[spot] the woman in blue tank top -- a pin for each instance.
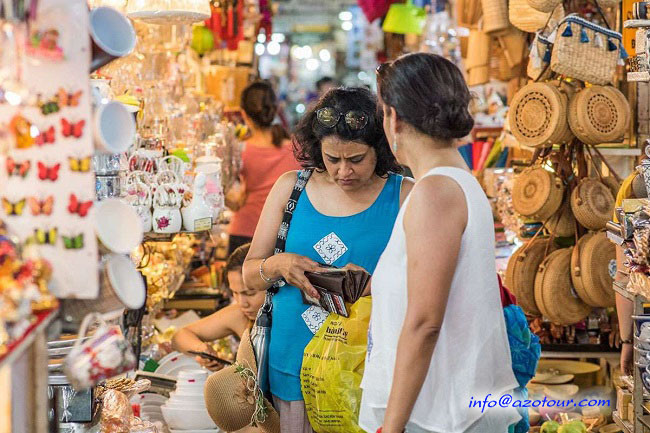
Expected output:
(344, 217)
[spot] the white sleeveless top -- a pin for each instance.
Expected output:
(472, 354)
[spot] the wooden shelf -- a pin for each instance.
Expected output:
(625, 425)
(168, 237)
(27, 339)
(619, 151)
(622, 290)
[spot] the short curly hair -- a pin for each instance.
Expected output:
(310, 133)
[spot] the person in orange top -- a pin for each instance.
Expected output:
(267, 155)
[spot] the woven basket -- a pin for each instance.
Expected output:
(513, 44)
(477, 76)
(611, 183)
(521, 272)
(538, 116)
(546, 6)
(530, 20)
(585, 51)
(576, 269)
(599, 114)
(566, 226)
(554, 293)
(538, 69)
(597, 257)
(592, 204)
(468, 12)
(478, 50)
(495, 16)
(537, 193)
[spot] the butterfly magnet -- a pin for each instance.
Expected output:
(79, 207)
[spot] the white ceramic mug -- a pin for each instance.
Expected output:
(118, 226)
(113, 127)
(125, 281)
(112, 36)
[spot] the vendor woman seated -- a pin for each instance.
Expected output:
(231, 320)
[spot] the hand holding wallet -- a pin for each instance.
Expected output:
(336, 287)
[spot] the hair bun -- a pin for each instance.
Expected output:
(451, 123)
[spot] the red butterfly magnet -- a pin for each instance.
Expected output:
(72, 129)
(17, 168)
(80, 208)
(48, 173)
(46, 137)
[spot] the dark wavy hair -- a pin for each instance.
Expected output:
(309, 133)
(259, 102)
(428, 92)
(235, 262)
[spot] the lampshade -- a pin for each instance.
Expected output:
(169, 11)
(405, 18)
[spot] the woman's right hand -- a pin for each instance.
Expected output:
(292, 268)
(208, 363)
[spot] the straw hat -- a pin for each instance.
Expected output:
(231, 394)
(592, 203)
(537, 193)
(521, 272)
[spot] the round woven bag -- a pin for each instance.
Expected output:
(562, 224)
(611, 183)
(521, 272)
(576, 270)
(599, 114)
(537, 193)
(554, 293)
(538, 115)
(597, 263)
(592, 204)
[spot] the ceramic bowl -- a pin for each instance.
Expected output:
(187, 419)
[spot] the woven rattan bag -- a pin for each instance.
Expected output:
(599, 114)
(539, 60)
(545, 6)
(611, 183)
(562, 224)
(591, 264)
(554, 293)
(530, 20)
(521, 272)
(537, 193)
(538, 115)
(495, 16)
(576, 269)
(586, 51)
(592, 203)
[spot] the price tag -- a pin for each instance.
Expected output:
(203, 224)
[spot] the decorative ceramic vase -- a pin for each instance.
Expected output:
(167, 219)
(198, 215)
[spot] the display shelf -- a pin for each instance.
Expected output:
(168, 237)
(19, 347)
(625, 425)
(578, 355)
(619, 151)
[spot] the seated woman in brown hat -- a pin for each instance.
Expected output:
(231, 320)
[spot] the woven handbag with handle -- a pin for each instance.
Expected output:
(544, 5)
(590, 269)
(530, 20)
(495, 16)
(538, 115)
(592, 203)
(599, 114)
(538, 68)
(586, 51)
(537, 193)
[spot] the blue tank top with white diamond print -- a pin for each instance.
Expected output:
(358, 239)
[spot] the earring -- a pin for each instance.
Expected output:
(395, 145)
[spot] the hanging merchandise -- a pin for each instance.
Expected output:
(586, 51)
(404, 19)
(591, 269)
(537, 193)
(538, 68)
(495, 16)
(554, 292)
(522, 270)
(562, 224)
(545, 6)
(530, 20)
(538, 115)
(592, 204)
(599, 114)
(168, 11)
(478, 57)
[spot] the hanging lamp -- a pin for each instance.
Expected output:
(405, 18)
(169, 11)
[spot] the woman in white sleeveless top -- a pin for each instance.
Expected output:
(437, 336)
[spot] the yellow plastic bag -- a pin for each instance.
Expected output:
(332, 368)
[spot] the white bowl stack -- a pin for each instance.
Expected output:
(185, 410)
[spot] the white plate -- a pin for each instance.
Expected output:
(176, 362)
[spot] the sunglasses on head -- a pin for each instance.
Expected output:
(330, 117)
